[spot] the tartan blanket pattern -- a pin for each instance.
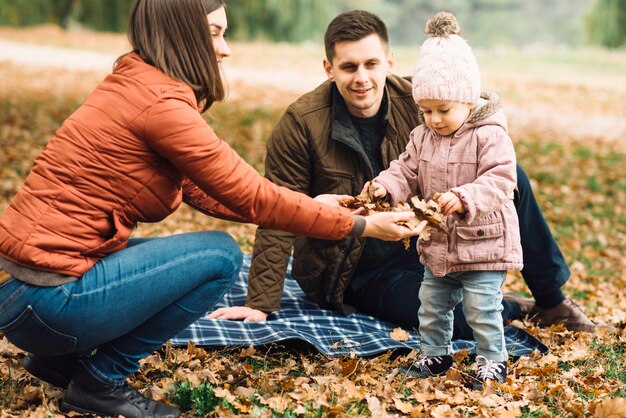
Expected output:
(331, 332)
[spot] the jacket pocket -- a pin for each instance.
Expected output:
(30, 333)
(480, 243)
(334, 181)
(117, 242)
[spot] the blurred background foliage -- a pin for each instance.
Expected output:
(487, 23)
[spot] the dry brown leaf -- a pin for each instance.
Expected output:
(460, 355)
(348, 366)
(324, 380)
(376, 409)
(611, 408)
(402, 406)
(221, 392)
(507, 412)
(444, 411)
(578, 350)
(419, 412)
(399, 334)
(277, 403)
(245, 392)
(345, 342)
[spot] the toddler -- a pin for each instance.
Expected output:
(463, 151)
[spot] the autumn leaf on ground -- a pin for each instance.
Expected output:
(399, 334)
(611, 408)
(348, 366)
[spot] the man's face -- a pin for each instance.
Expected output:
(359, 70)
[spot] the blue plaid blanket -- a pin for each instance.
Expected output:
(332, 333)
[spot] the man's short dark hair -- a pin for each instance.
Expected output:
(353, 26)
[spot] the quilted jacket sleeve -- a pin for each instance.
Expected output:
(200, 201)
(175, 130)
(401, 178)
(286, 164)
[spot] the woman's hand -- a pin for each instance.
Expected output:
(238, 313)
(449, 203)
(334, 199)
(383, 225)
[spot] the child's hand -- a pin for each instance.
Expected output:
(379, 190)
(449, 203)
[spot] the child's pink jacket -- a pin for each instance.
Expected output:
(478, 164)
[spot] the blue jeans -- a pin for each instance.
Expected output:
(482, 306)
(545, 270)
(126, 306)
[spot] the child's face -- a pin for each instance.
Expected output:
(443, 116)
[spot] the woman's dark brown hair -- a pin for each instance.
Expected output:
(174, 36)
(212, 5)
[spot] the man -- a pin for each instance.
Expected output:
(334, 139)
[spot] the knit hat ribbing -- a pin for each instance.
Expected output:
(446, 68)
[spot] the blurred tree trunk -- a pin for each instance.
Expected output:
(63, 11)
(104, 15)
(606, 23)
(280, 20)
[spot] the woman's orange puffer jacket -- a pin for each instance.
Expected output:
(131, 153)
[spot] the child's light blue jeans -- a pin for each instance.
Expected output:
(127, 305)
(482, 306)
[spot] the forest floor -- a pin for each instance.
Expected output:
(568, 120)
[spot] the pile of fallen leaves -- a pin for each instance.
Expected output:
(577, 378)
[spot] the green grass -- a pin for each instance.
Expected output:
(200, 400)
(612, 358)
(526, 413)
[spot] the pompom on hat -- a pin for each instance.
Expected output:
(446, 68)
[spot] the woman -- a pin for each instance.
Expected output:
(85, 300)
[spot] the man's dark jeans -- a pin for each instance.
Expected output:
(389, 292)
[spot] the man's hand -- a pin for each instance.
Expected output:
(384, 225)
(238, 313)
(449, 203)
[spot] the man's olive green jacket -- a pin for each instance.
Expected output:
(315, 149)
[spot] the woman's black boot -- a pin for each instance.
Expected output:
(57, 371)
(88, 395)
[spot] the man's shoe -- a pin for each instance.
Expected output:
(57, 371)
(87, 395)
(526, 305)
(495, 371)
(429, 366)
(567, 313)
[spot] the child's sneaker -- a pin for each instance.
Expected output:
(489, 370)
(430, 366)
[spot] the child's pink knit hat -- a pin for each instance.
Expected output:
(446, 68)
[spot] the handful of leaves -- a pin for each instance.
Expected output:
(424, 211)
